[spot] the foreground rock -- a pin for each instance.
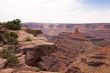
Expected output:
(34, 55)
(8, 71)
(34, 49)
(3, 63)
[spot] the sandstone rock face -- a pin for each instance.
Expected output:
(34, 55)
(34, 50)
(34, 41)
(2, 63)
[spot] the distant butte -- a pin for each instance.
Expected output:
(77, 33)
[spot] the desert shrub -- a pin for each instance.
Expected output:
(10, 38)
(34, 32)
(13, 25)
(9, 54)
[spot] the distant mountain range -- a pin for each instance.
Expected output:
(56, 28)
(64, 25)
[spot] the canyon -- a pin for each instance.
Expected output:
(62, 48)
(77, 45)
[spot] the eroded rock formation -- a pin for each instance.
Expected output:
(34, 55)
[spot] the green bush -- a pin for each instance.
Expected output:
(13, 25)
(10, 38)
(9, 54)
(34, 32)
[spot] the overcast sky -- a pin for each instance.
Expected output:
(56, 11)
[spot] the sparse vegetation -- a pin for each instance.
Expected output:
(9, 54)
(13, 25)
(10, 38)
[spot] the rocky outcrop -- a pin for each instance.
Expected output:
(35, 49)
(3, 63)
(34, 55)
